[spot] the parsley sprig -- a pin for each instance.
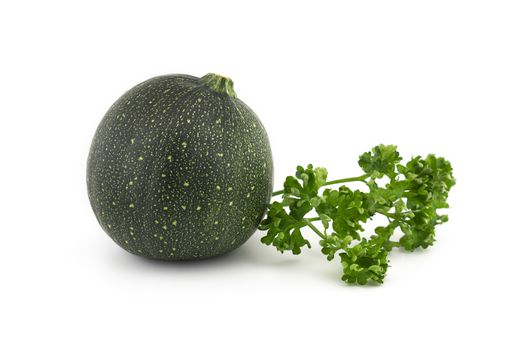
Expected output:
(410, 201)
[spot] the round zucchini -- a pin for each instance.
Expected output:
(180, 169)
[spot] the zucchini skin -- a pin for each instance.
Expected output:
(178, 170)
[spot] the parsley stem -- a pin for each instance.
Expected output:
(397, 215)
(348, 179)
(333, 182)
(315, 229)
(392, 244)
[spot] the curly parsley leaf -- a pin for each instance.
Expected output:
(283, 230)
(410, 201)
(380, 161)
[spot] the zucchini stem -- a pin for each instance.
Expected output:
(220, 84)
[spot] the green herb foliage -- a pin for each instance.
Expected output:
(410, 200)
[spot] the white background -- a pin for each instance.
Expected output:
(329, 80)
